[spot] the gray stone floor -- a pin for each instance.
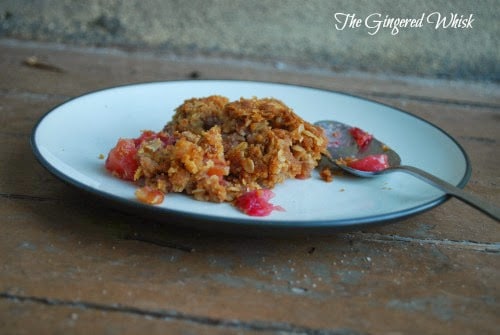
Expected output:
(293, 32)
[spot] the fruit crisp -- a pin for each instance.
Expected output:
(217, 150)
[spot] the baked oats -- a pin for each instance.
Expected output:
(217, 150)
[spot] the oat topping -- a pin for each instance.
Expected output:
(217, 150)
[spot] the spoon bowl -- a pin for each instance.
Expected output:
(348, 145)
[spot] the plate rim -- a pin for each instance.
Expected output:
(247, 222)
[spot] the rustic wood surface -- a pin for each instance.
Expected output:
(71, 265)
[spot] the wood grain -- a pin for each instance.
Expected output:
(72, 265)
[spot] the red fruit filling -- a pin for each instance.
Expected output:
(122, 161)
(370, 163)
(256, 203)
(361, 137)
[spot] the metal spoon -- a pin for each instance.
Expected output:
(342, 145)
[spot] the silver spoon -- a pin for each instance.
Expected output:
(342, 146)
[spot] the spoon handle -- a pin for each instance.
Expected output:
(485, 207)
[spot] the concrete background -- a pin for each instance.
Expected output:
(294, 33)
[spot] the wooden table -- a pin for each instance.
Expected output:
(70, 265)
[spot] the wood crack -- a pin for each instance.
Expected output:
(26, 197)
(146, 239)
(493, 247)
(164, 314)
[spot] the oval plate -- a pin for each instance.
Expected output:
(69, 139)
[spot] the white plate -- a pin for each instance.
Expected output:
(69, 139)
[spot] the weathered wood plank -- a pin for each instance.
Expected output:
(86, 70)
(80, 265)
(314, 283)
(49, 316)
